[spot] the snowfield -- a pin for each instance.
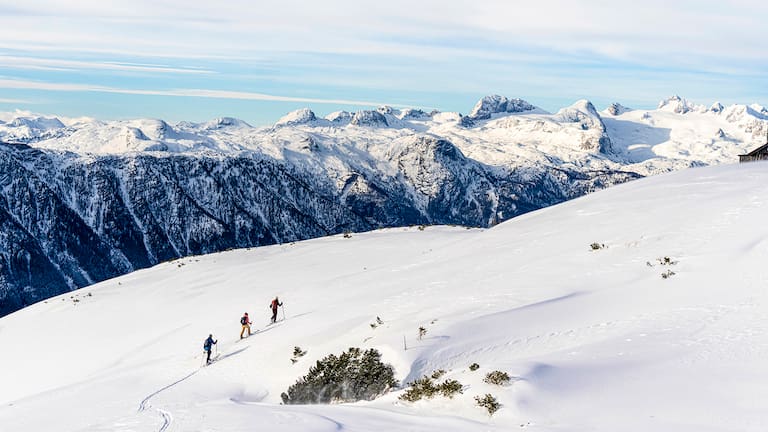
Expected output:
(594, 337)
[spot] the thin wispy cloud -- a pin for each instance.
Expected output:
(15, 101)
(19, 62)
(199, 93)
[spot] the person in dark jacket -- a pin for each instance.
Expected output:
(275, 303)
(208, 347)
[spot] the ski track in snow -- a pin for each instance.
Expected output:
(167, 417)
(143, 405)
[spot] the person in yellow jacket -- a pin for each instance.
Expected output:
(246, 322)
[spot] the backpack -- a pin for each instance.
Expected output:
(206, 346)
(243, 320)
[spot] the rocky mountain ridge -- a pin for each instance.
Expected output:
(84, 200)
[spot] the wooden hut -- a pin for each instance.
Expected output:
(760, 153)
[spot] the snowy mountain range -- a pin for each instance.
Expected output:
(638, 308)
(83, 200)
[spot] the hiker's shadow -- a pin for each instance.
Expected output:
(267, 328)
(233, 353)
(300, 315)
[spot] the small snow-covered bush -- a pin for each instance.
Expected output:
(426, 388)
(667, 274)
(597, 246)
(422, 388)
(474, 366)
(352, 376)
(450, 388)
(297, 354)
(666, 261)
(488, 402)
(497, 377)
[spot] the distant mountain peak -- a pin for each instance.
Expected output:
(716, 107)
(299, 116)
(36, 124)
(679, 105)
(221, 122)
(497, 104)
(371, 118)
(584, 113)
(339, 117)
(386, 109)
(578, 111)
(616, 109)
(413, 113)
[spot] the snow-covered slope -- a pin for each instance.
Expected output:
(595, 338)
(682, 131)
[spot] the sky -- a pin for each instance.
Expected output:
(197, 60)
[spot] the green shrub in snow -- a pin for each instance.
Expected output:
(497, 377)
(352, 376)
(438, 373)
(488, 402)
(450, 388)
(426, 388)
(422, 388)
(666, 261)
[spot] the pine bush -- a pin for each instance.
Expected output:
(450, 387)
(426, 388)
(488, 402)
(352, 376)
(497, 377)
(422, 388)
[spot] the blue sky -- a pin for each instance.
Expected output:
(197, 60)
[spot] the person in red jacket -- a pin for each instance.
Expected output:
(275, 303)
(246, 322)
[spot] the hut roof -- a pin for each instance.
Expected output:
(762, 149)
